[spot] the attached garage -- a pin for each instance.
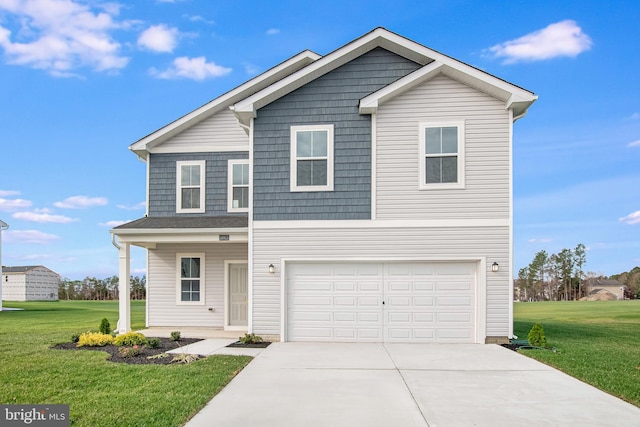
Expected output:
(383, 302)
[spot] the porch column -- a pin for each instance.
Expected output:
(124, 265)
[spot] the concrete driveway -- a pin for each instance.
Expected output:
(436, 385)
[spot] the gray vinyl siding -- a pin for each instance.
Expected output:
(162, 182)
(344, 244)
(487, 126)
(217, 133)
(163, 309)
(330, 99)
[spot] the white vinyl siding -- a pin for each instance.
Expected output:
(356, 243)
(312, 158)
(217, 133)
(398, 193)
(238, 191)
(36, 284)
(161, 284)
(190, 186)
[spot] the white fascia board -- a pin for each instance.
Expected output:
(276, 73)
(380, 37)
(151, 237)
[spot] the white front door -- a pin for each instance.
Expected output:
(238, 294)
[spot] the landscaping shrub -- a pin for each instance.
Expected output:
(153, 342)
(129, 351)
(105, 326)
(75, 337)
(250, 339)
(536, 336)
(175, 335)
(130, 339)
(94, 339)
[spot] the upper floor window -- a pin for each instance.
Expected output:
(441, 155)
(312, 158)
(238, 186)
(190, 186)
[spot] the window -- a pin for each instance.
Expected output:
(238, 186)
(190, 278)
(190, 187)
(442, 155)
(312, 158)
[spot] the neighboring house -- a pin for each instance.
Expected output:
(365, 195)
(3, 226)
(605, 289)
(30, 283)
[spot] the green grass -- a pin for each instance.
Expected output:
(598, 341)
(99, 392)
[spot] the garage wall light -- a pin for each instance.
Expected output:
(272, 269)
(495, 267)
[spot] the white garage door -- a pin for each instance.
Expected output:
(376, 302)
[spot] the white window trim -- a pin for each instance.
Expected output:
(422, 185)
(179, 164)
(230, 185)
(179, 257)
(294, 163)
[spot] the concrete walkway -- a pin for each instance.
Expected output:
(436, 385)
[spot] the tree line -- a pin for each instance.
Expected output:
(101, 289)
(561, 277)
(555, 277)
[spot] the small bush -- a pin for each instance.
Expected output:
(153, 342)
(130, 339)
(105, 326)
(250, 339)
(175, 336)
(536, 336)
(75, 337)
(94, 339)
(129, 351)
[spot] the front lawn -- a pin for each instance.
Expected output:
(99, 392)
(598, 341)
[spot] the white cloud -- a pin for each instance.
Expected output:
(6, 193)
(273, 31)
(112, 224)
(8, 205)
(540, 240)
(251, 69)
(48, 257)
(198, 18)
(634, 144)
(135, 207)
(43, 216)
(632, 218)
(191, 68)
(159, 38)
(564, 38)
(81, 202)
(29, 236)
(60, 36)
(635, 116)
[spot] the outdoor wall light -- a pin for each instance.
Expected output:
(495, 267)
(272, 269)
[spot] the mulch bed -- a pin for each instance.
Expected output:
(166, 344)
(239, 344)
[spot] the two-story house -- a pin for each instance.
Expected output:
(365, 195)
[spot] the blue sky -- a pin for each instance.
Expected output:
(82, 80)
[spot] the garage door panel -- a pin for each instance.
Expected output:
(423, 302)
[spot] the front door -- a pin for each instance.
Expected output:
(238, 294)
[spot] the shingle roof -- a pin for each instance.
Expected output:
(186, 222)
(21, 269)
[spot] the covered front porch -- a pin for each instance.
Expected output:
(197, 273)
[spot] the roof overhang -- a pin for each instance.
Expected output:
(150, 237)
(514, 97)
(291, 65)
(433, 63)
